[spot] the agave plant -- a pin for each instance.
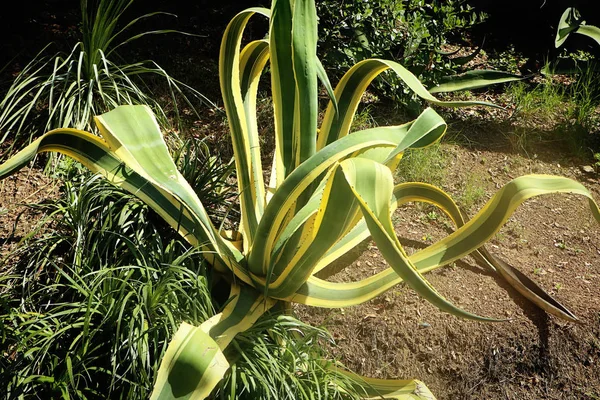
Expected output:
(571, 22)
(67, 90)
(328, 190)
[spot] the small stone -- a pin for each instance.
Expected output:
(588, 169)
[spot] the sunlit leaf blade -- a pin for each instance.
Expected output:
(322, 74)
(372, 185)
(569, 22)
(473, 80)
(283, 86)
(334, 217)
(495, 213)
(528, 288)
(403, 193)
(191, 367)
(300, 234)
(133, 134)
(465, 240)
(94, 154)
(238, 79)
(252, 62)
(590, 31)
(415, 191)
(394, 138)
(372, 388)
(244, 307)
(286, 195)
(304, 56)
(253, 59)
(194, 363)
(351, 87)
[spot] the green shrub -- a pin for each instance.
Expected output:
(330, 189)
(411, 32)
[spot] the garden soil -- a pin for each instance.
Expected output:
(552, 239)
(531, 355)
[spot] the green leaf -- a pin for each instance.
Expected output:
(192, 366)
(372, 185)
(239, 79)
(569, 22)
(474, 79)
(353, 84)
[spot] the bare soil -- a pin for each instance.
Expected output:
(552, 239)
(17, 219)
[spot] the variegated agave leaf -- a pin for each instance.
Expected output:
(330, 189)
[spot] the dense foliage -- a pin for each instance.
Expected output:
(87, 308)
(104, 290)
(412, 32)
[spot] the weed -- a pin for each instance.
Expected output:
(508, 60)
(423, 165)
(584, 93)
(500, 236)
(543, 101)
(432, 216)
(363, 119)
(473, 192)
(557, 109)
(597, 161)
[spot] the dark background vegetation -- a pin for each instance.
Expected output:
(31, 23)
(528, 26)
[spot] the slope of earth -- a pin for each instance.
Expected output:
(17, 220)
(552, 239)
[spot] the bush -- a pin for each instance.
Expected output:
(411, 32)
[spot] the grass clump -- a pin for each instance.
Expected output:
(281, 358)
(473, 192)
(87, 310)
(66, 89)
(423, 165)
(542, 102)
(557, 108)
